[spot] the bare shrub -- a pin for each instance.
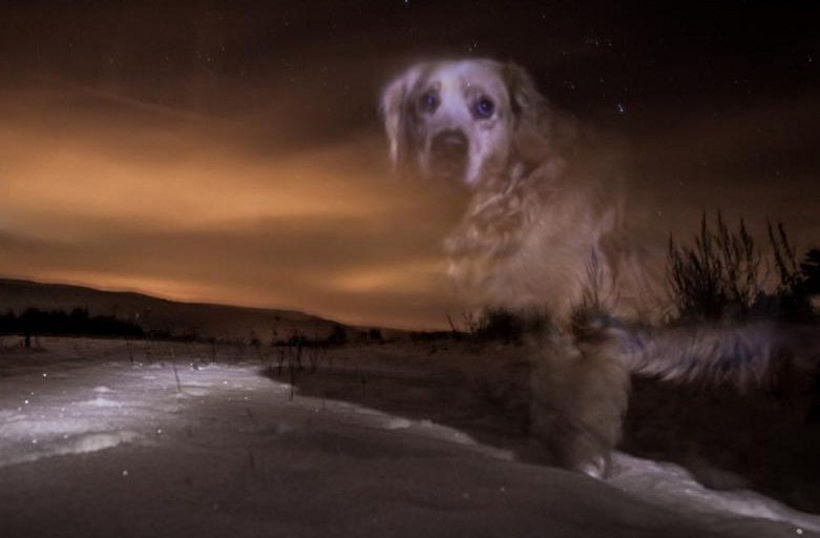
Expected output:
(719, 276)
(716, 277)
(797, 282)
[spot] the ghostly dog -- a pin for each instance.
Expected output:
(546, 226)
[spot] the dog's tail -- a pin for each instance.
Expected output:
(743, 355)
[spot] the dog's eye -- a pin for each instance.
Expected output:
(484, 107)
(429, 101)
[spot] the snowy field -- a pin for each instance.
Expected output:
(100, 440)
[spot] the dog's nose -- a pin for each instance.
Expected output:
(450, 144)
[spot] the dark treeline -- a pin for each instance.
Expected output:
(337, 337)
(34, 321)
(432, 336)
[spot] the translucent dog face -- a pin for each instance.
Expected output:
(452, 120)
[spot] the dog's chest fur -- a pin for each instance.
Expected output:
(544, 243)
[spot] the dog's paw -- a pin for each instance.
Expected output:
(597, 468)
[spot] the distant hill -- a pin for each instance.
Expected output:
(178, 318)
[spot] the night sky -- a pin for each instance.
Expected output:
(232, 151)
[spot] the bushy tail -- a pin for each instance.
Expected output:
(746, 355)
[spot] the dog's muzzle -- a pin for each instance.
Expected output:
(448, 152)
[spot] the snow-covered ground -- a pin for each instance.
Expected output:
(93, 444)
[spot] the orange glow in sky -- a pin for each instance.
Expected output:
(173, 209)
(120, 197)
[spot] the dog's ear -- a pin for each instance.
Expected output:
(525, 99)
(538, 131)
(393, 105)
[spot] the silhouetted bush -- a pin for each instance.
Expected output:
(717, 276)
(797, 282)
(502, 325)
(338, 337)
(810, 267)
(431, 336)
(376, 336)
(720, 277)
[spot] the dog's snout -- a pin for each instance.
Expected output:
(448, 154)
(451, 143)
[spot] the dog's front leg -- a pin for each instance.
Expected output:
(579, 397)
